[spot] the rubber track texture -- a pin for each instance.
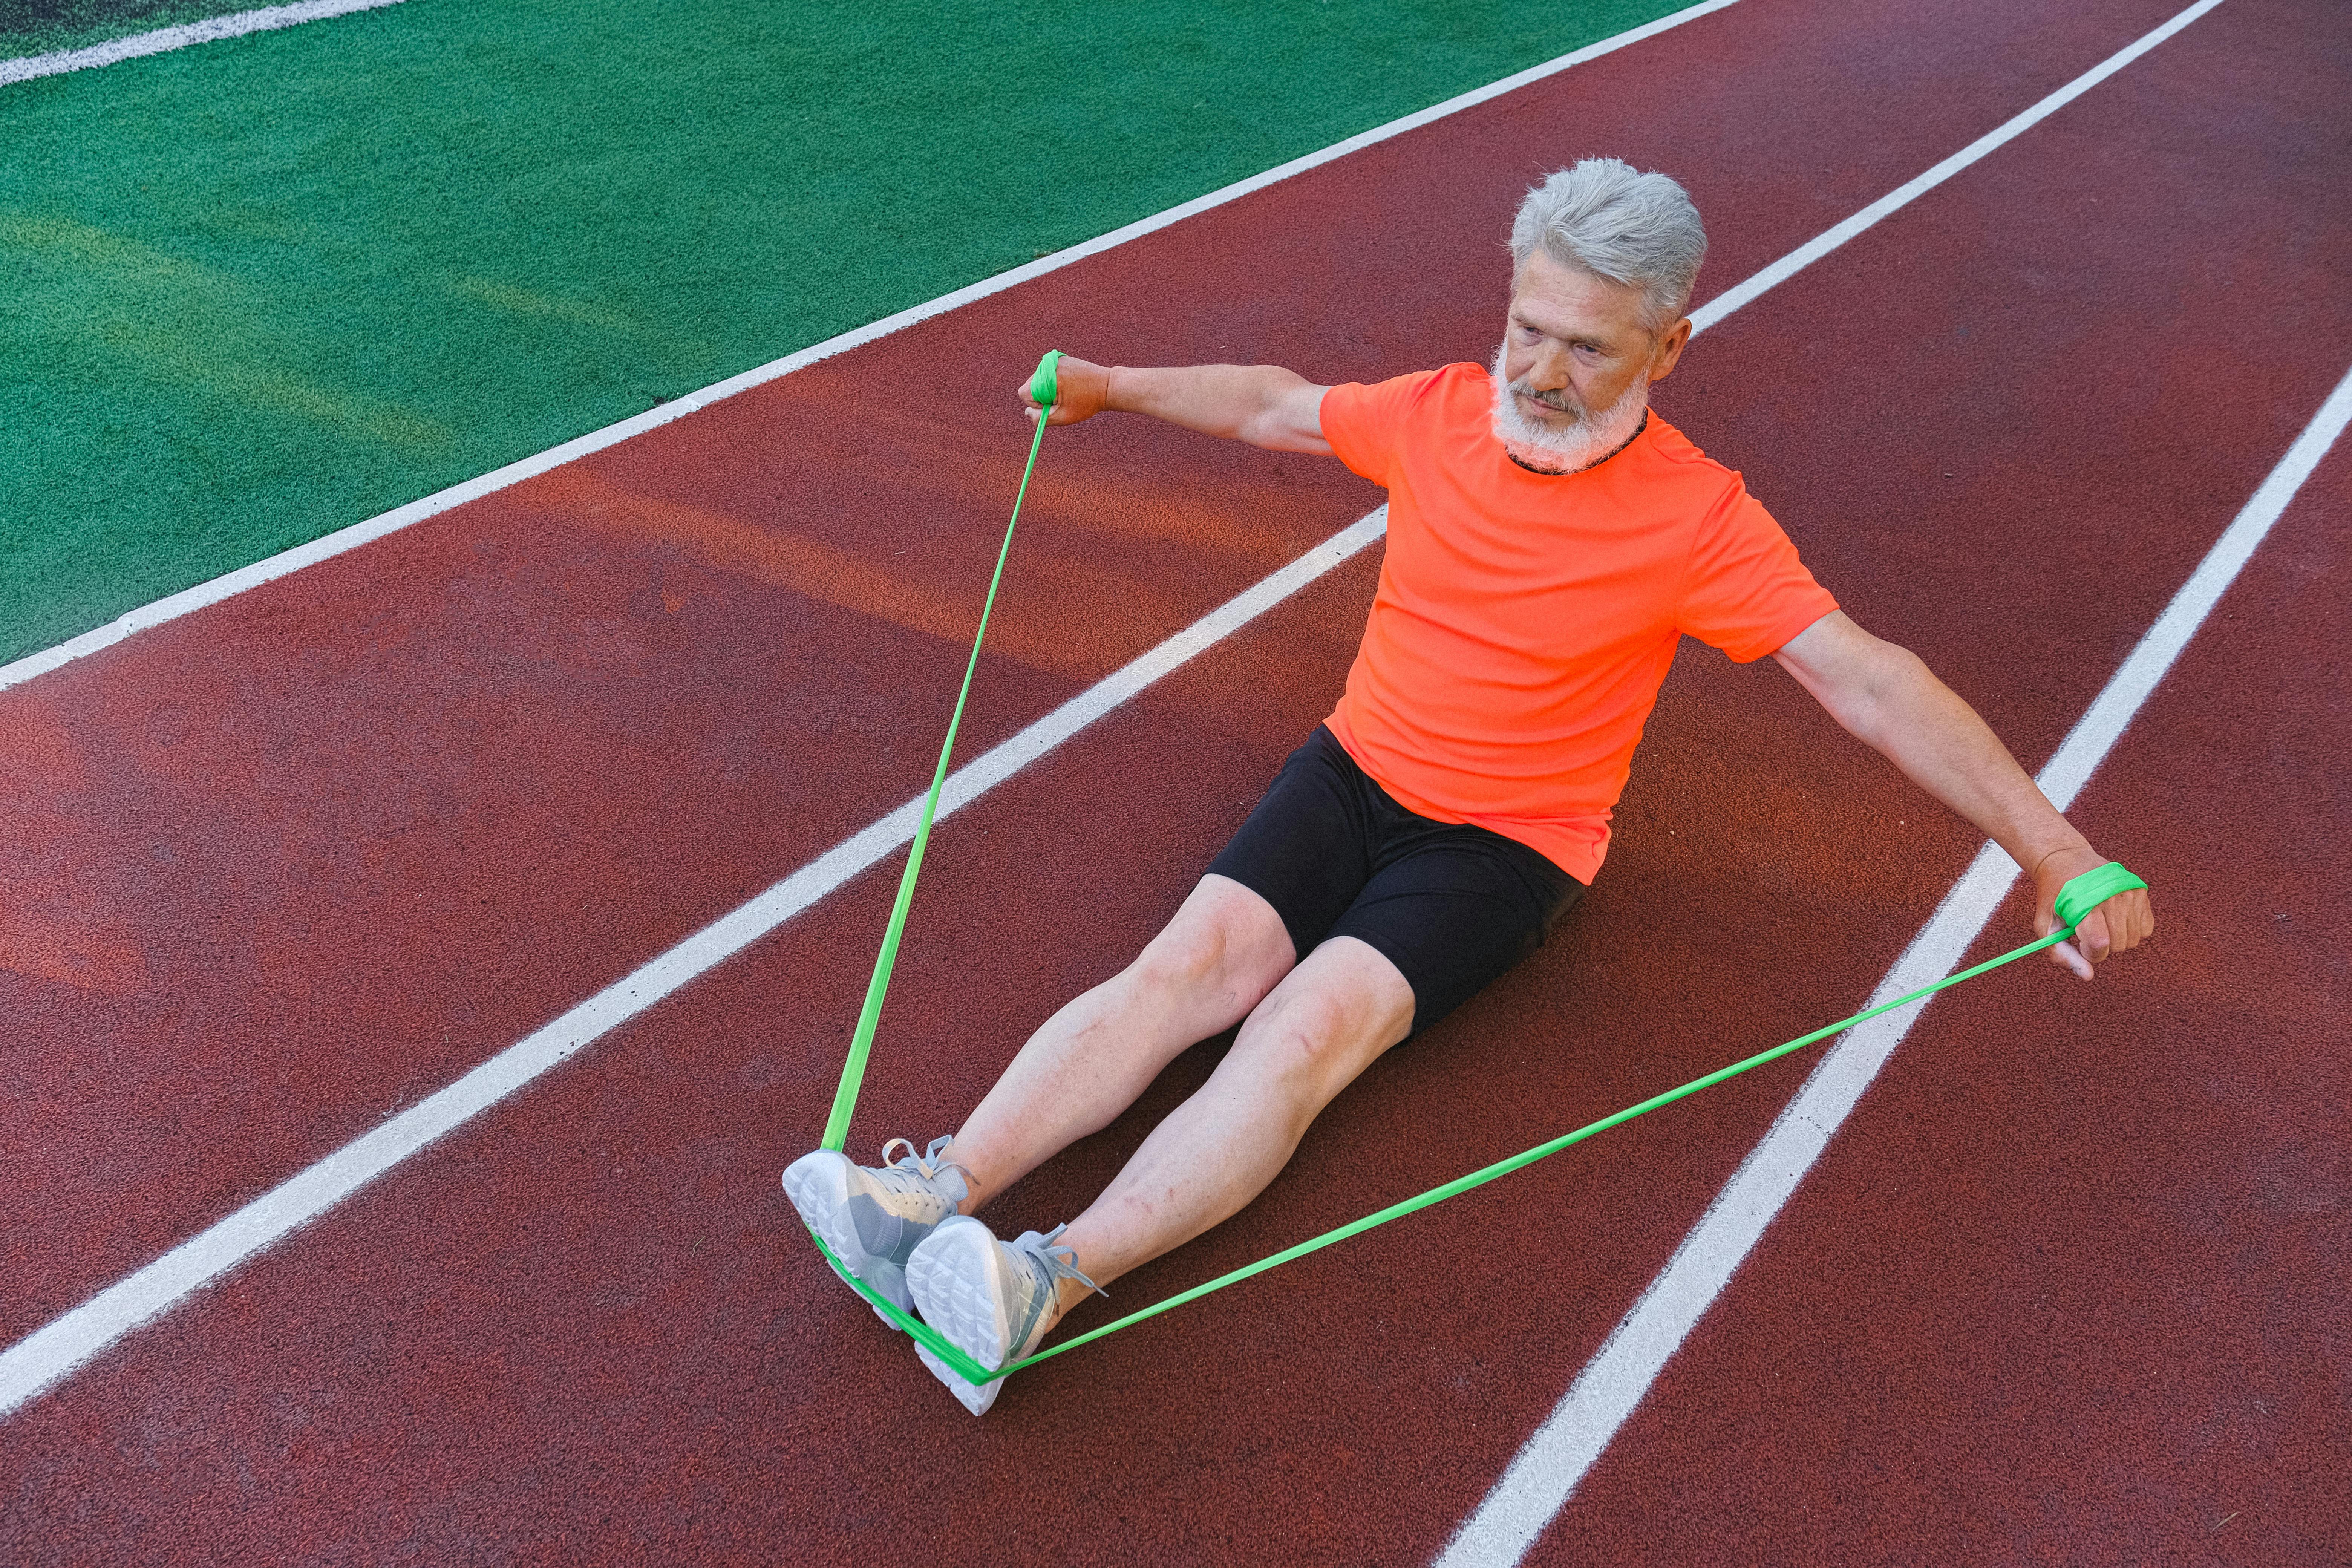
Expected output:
(2070, 1291)
(587, 1323)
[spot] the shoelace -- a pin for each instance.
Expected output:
(898, 1175)
(1060, 1262)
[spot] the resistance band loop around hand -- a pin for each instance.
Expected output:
(2076, 901)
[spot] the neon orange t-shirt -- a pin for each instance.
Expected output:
(1525, 621)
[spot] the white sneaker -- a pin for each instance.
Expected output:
(874, 1218)
(994, 1300)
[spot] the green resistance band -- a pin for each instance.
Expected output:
(2076, 900)
(869, 1017)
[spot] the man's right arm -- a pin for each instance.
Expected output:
(1262, 404)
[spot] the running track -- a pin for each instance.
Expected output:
(2066, 1289)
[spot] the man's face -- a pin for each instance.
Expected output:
(1575, 342)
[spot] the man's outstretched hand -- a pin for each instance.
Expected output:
(2122, 922)
(1080, 390)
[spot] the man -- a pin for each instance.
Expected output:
(1549, 542)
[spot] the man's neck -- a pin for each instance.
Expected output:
(1564, 473)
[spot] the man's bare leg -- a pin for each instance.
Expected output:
(1217, 959)
(1326, 1021)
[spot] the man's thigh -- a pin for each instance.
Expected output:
(1453, 908)
(1308, 847)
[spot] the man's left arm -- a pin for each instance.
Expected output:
(1888, 697)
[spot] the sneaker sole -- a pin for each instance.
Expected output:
(819, 1190)
(958, 1279)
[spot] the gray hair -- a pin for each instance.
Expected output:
(1608, 220)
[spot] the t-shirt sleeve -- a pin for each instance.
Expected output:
(1745, 591)
(1364, 423)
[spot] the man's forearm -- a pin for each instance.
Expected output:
(1889, 698)
(1941, 744)
(1241, 401)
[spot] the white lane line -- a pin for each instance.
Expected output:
(47, 1354)
(1548, 1467)
(1805, 256)
(173, 608)
(163, 40)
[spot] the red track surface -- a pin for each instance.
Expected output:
(311, 854)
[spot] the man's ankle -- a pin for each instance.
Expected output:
(1068, 1293)
(974, 1193)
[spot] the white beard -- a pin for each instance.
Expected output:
(1578, 445)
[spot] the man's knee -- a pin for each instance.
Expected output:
(1329, 1020)
(1299, 1042)
(1225, 941)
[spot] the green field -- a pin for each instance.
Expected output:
(262, 288)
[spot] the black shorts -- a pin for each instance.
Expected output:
(1451, 905)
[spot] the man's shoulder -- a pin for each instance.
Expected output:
(1676, 462)
(1404, 411)
(1670, 446)
(1444, 381)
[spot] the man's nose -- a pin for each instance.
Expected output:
(1550, 372)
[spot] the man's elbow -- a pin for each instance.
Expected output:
(1274, 431)
(1864, 690)
(1289, 414)
(1261, 429)
(1888, 695)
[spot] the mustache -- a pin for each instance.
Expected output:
(1559, 402)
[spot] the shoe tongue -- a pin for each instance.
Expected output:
(908, 1176)
(905, 1179)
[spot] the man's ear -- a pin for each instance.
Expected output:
(1669, 349)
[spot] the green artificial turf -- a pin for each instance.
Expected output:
(256, 291)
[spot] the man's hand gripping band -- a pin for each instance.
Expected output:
(1067, 390)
